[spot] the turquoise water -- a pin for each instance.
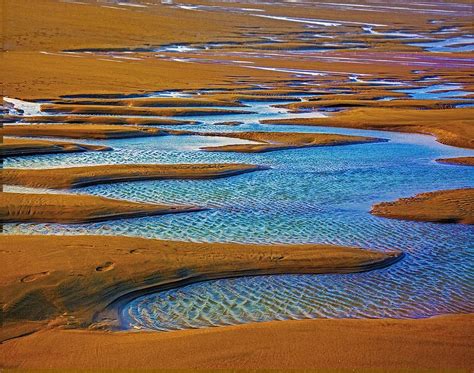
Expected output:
(311, 195)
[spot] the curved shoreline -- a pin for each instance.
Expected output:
(86, 277)
(114, 309)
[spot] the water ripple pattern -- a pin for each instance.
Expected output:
(310, 195)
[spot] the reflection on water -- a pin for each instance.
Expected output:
(319, 195)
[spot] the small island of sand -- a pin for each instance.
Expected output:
(75, 177)
(444, 206)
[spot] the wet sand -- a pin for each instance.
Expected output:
(271, 141)
(20, 147)
(132, 110)
(72, 279)
(76, 177)
(435, 344)
(89, 119)
(154, 102)
(63, 280)
(444, 206)
(68, 208)
(349, 103)
(451, 127)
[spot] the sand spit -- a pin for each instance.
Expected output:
(76, 177)
(451, 127)
(80, 131)
(131, 110)
(438, 343)
(271, 141)
(89, 119)
(444, 206)
(71, 209)
(400, 104)
(461, 161)
(158, 102)
(77, 287)
(20, 147)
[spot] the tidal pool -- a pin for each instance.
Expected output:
(310, 195)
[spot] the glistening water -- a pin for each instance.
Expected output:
(310, 195)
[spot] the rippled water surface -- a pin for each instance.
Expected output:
(311, 195)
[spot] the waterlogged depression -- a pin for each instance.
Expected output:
(310, 195)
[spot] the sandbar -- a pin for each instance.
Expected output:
(71, 208)
(82, 277)
(80, 131)
(271, 141)
(75, 177)
(451, 127)
(461, 161)
(443, 206)
(19, 147)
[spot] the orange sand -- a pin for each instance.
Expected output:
(74, 177)
(68, 208)
(18, 147)
(436, 344)
(444, 206)
(70, 279)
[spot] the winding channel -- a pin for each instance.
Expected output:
(310, 195)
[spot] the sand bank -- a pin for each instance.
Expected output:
(131, 110)
(452, 127)
(436, 344)
(270, 141)
(444, 206)
(348, 103)
(68, 208)
(80, 131)
(461, 161)
(75, 177)
(44, 277)
(101, 119)
(19, 147)
(182, 102)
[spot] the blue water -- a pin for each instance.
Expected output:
(437, 92)
(456, 44)
(310, 195)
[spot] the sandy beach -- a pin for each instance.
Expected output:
(327, 344)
